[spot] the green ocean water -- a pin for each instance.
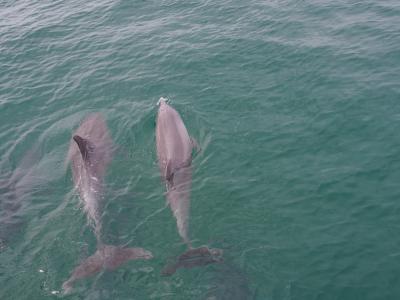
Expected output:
(296, 107)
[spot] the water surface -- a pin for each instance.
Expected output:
(295, 105)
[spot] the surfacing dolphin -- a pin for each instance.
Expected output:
(174, 151)
(90, 152)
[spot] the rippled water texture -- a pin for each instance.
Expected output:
(296, 108)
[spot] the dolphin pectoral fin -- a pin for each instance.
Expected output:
(85, 146)
(185, 164)
(194, 257)
(195, 144)
(106, 258)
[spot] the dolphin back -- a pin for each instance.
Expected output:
(92, 138)
(90, 153)
(174, 145)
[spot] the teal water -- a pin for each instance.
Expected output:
(295, 105)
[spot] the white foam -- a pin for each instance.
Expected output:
(162, 99)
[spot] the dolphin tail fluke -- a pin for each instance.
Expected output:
(194, 257)
(105, 258)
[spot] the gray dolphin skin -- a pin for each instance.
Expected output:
(17, 187)
(90, 152)
(174, 151)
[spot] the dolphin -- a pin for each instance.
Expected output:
(174, 152)
(90, 152)
(17, 187)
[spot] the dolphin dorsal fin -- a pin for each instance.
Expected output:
(168, 173)
(85, 147)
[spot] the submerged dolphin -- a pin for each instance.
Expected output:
(90, 152)
(17, 188)
(174, 151)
